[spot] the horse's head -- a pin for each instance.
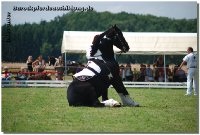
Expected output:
(120, 43)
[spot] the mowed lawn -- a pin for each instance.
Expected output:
(38, 110)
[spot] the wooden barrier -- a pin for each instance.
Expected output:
(56, 83)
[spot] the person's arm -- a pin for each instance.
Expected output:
(183, 63)
(44, 63)
(33, 64)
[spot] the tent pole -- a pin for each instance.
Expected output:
(165, 69)
(65, 64)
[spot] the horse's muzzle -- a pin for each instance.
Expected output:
(125, 49)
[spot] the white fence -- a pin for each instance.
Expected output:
(55, 83)
(155, 84)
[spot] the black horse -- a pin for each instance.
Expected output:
(86, 93)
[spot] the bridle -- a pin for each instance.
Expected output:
(123, 49)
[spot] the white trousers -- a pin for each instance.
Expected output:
(192, 79)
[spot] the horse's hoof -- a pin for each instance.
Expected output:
(134, 104)
(117, 105)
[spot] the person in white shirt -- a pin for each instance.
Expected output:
(191, 60)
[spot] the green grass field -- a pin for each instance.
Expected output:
(30, 110)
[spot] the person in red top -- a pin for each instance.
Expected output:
(6, 74)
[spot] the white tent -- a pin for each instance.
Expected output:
(139, 43)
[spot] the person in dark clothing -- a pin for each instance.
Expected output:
(29, 64)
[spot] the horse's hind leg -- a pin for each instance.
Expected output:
(71, 96)
(82, 94)
(93, 100)
(98, 104)
(74, 94)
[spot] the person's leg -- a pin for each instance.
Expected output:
(195, 86)
(189, 82)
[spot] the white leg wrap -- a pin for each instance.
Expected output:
(111, 103)
(127, 101)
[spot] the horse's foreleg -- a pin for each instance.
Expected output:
(127, 101)
(118, 85)
(122, 92)
(105, 95)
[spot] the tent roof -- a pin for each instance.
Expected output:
(139, 43)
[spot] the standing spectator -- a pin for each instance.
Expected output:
(128, 72)
(142, 73)
(149, 74)
(29, 63)
(168, 74)
(160, 62)
(155, 72)
(6, 74)
(161, 76)
(59, 67)
(135, 74)
(39, 64)
(191, 61)
(122, 72)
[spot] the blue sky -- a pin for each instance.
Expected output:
(171, 9)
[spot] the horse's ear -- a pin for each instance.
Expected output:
(114, 26)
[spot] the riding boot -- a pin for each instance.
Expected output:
(127, 101)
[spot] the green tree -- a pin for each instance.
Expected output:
(46, 37)
(46, 49)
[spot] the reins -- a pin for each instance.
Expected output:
(120, 53)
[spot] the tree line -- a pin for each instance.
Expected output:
(46, 37)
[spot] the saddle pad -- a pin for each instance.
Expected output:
(83, 78)
(94, 66)
(84, 72)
